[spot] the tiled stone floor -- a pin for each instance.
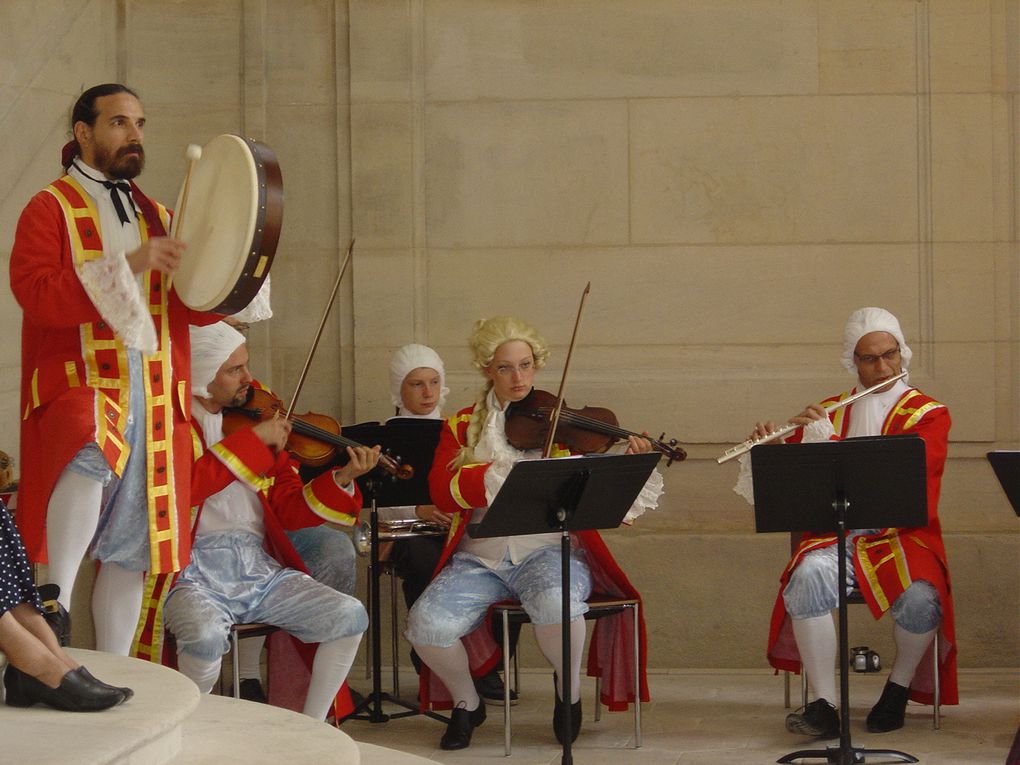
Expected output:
(718, 717)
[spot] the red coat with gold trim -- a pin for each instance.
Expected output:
(610, 654)
(886, 563)
(288, 504)
(74, 371)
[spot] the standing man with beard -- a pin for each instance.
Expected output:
(105, 405)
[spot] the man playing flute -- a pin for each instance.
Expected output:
(902, 570)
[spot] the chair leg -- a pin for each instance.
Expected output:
(506, 685)
(393, 635)
(236, 663)
(786, 689)
(598, 698)
(517, 671)
(803, 686)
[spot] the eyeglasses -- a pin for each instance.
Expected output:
(506, 370)
(891, 355)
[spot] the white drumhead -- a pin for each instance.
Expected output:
(218, 222)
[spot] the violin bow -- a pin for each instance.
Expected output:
(318, 333)
(554, 416)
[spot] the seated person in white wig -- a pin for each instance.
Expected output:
(327, 552)
(243, 567)
(418, 391)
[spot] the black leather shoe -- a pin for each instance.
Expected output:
(251, 690)
(462, 724)
(128, 693)
(819, 718)
(490, 687)
(890, 711)
(558, 714)
(74, 694)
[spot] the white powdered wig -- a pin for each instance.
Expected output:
(409, 358)
(866, 320)
(210, 347)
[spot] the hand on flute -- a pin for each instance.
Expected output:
(811, 413)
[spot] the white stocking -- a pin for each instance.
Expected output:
(202, 673)
(550, 642)
(816, 641)
(333, 661)
(451, 666)
(249, 658)
(116, 606)
(910, 648)
(71, 520)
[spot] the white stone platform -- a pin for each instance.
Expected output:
(169, 722)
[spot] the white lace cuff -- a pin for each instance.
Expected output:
(495, 477)
(647, 499)
(114, 292)
(745, 480)
(259, 309)
(818, 430)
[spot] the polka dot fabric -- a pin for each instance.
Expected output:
(16, 585)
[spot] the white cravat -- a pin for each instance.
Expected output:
(868, 414)
(235, 508)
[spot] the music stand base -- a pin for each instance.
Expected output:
(370, 709)
(839, 756)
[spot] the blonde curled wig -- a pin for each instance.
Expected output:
(487, 337)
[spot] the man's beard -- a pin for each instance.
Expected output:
(127, 164)
(241, 397)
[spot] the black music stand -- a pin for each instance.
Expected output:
(839, 486)
(412, 441)
(1007, 469)
(566, 494)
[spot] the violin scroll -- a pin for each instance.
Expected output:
(673, 452)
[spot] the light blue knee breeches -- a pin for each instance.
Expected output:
(329, 556)
(811, 592)
(456, 601)
(231, 579)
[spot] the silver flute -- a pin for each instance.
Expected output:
(745, 447)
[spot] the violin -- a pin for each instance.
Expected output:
(590, 429)
(314, 438)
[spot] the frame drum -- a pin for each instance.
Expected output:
(231, 224)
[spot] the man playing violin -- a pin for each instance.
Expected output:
(243, 566)
(446, 625)
(105, 440)
(328, 553)
(899, 570)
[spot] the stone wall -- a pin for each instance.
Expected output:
(732, 178)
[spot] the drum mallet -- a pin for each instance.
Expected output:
(193, 154)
